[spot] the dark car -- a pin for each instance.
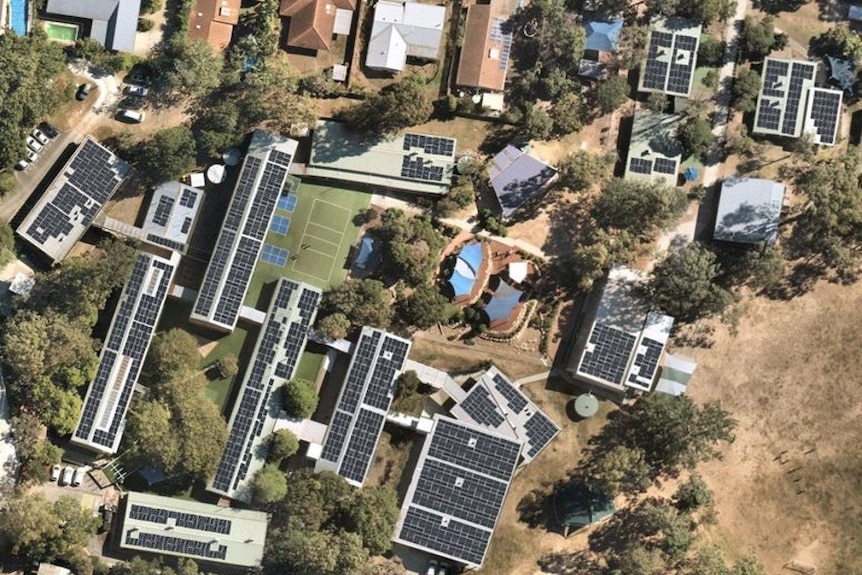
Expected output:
(83, 91)
(49, 130)
(132, 103)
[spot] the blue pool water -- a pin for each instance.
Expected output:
(19, 17)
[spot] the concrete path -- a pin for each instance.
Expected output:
(533, 378)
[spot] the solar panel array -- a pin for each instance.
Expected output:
(647, 360)
(454, 500)
(670, 63)
(419, 169)
(514, 397)
(481, 407)
(180, 519)
(276, 355)
(540, 431)
(163, 211)
(166, 543)
(609, 358)
(104, 411)
(640, 166)
(432, 145)
(88, 181)
(233, 260)
(360, 413)
(781, 100)
(824, 110)
(503, 38)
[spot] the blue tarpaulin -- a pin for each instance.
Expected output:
(691, 174)
(503, 302)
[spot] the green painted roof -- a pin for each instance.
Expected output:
(577, 505)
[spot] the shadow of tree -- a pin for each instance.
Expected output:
(562, 563)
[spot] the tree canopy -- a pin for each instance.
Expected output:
(363, 302)
(695, 136)
(167, 155)
(173, 354)
(395, 107)
(7, 243)
(412, 246)
(300, 398)
(685, 284)
(426, 307)
(568, 114)
(838, 41)
(37, 530)
(581, 170)
(705, 11)
(758, 38)
(334, 326)
(612, 93)
(269, 485)
(746, 88)
(638, 208)
(189, 66)
(282, 444)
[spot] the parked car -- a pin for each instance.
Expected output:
(137, 78)
(22, 164)
(431, 569)
(443, 569)
(67, 475)
(31, 156)
(55, 472)
(137, 91)
(131, 116)
(78, 477)
(40, 137)
(132, 103)
(33, 144)
(83, 91)
(107, 517)
(49, 130)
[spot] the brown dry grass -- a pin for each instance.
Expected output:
(459, 357)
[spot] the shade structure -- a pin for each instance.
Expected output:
(518, 271)
(843, 72)
(503, 302)
(586, 405)
(578, 505)
(369, 255)
(461, 285)
(471, 254)
(466, 269)
(232, 157)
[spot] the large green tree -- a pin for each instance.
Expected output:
(685, 284)
(167, 155)
(393, 108)
(7, 243)
(189, 66)
(372, 514)
(334, 326)
(412, 246)
(300, 398)
(581, 170)
(363, 302)
(695, 136)
(426, 307)
(173, 355)
(612, 93)
(282, 444)
(637, 207)
(37, 530)
(746, 87)
(269, 485)
(758, 38)
(568, 114)
(838, 41)
(301, 551)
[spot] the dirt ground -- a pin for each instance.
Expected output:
(789, 377)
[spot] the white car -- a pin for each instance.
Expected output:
(55, 472)
(78, 477)
(22, 164)
(42, 138)
(137, 90)
(33, 144)
(67, 475)
(432, 567)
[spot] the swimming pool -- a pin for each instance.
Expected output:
(18, 20)
(62, 32)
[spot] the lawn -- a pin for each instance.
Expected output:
(309, 365)
(310, 238)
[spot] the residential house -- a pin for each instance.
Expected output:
(313, 23)
(404, 30)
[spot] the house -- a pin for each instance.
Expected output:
(749, 211)
(654, 152)
(518, 177)
(213, 21)
(314, 22)
(621, 351)
(790, 105)
(404, 30)
(671, 57)
(112, 23)
(486, 48)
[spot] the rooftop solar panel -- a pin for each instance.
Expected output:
(640, 166)
(646, 359)
(824, 111)
(670, 62)
(516, 400)
(609, 355)
(665, 166)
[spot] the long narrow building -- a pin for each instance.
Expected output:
(242, 233)
(103, 417)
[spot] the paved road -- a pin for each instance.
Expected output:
(725, 93)
(108, 92)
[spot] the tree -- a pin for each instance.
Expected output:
(98, 56)
(189, 66)
(372, 514)
(300, 398)
(38, 530)
(537, 123)
(685, 284)
(746, 88)
(692, 495)
(621, 470)
(632, 46)
(33, 450)
(612, 93)
(838, 41)
(173, 355)
(706, 11)
(757, 38)
(581, 170)
(656, 102)
(363, 302)
(379, 566)
(334, 326)
(426, 307)
(637, 207)
(412, 246)
(139, 566)
(695, 136)
(301, 551)
(227, 366)
(8, 183)
(395, 107)
(408, 384)
(710, 52)
(568, 114)
(167, 155)
(282, 444)
(313, 500)
(269, 485)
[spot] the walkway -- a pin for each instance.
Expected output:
(511, 242)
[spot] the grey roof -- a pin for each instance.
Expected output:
(654, 152)
(749, 211)
(517, 177)
(113, 22)
(402, 30)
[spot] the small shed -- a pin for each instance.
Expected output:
(603, 35)
(579, 505)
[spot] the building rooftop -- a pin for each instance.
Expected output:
(402, 30)
(671, 57)
(200, 531)
(313, 22)
(749, 211)
(113, 23)
(172, 214)
(273, 363)
(240, 241)
(603, 35)
(417, 163)
(103, 414)
(654, 152)
(67, 208)
(213, 21)
(625, 341)
(518, 177)
(486, 47)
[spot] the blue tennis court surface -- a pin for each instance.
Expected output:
(280, 225)
(287, 203)
(274, 255)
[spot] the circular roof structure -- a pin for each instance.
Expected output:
(216, 173)
(232, 157)
(586, 405)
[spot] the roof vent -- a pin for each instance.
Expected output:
(471, 442)
(444, 522)
(459, 482)
(494, 54)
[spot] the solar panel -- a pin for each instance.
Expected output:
(825, 110)
(665, 166)
(503, 39)
(670, 62)
(180, 519)
(430, 144)
(540, 431)
(447, 537)
(516, 400)
(458, 492)
(361, 445)
(481, 407)
(640, 166)
(478, 451)
(646, 360)
(163, 211)
(158, 542)
(609, 357)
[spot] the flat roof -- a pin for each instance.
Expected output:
(235, 255)
(671, 57)
(654, 152)
(183, 528)
(454, 500)
(749, 211)
(782, 99)
(625, 341)
(171, 216)
(103, 414)
(67, 208)
(486, 47)
(497, 403)
(365, 397)
(279, 346)
(409, 162)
